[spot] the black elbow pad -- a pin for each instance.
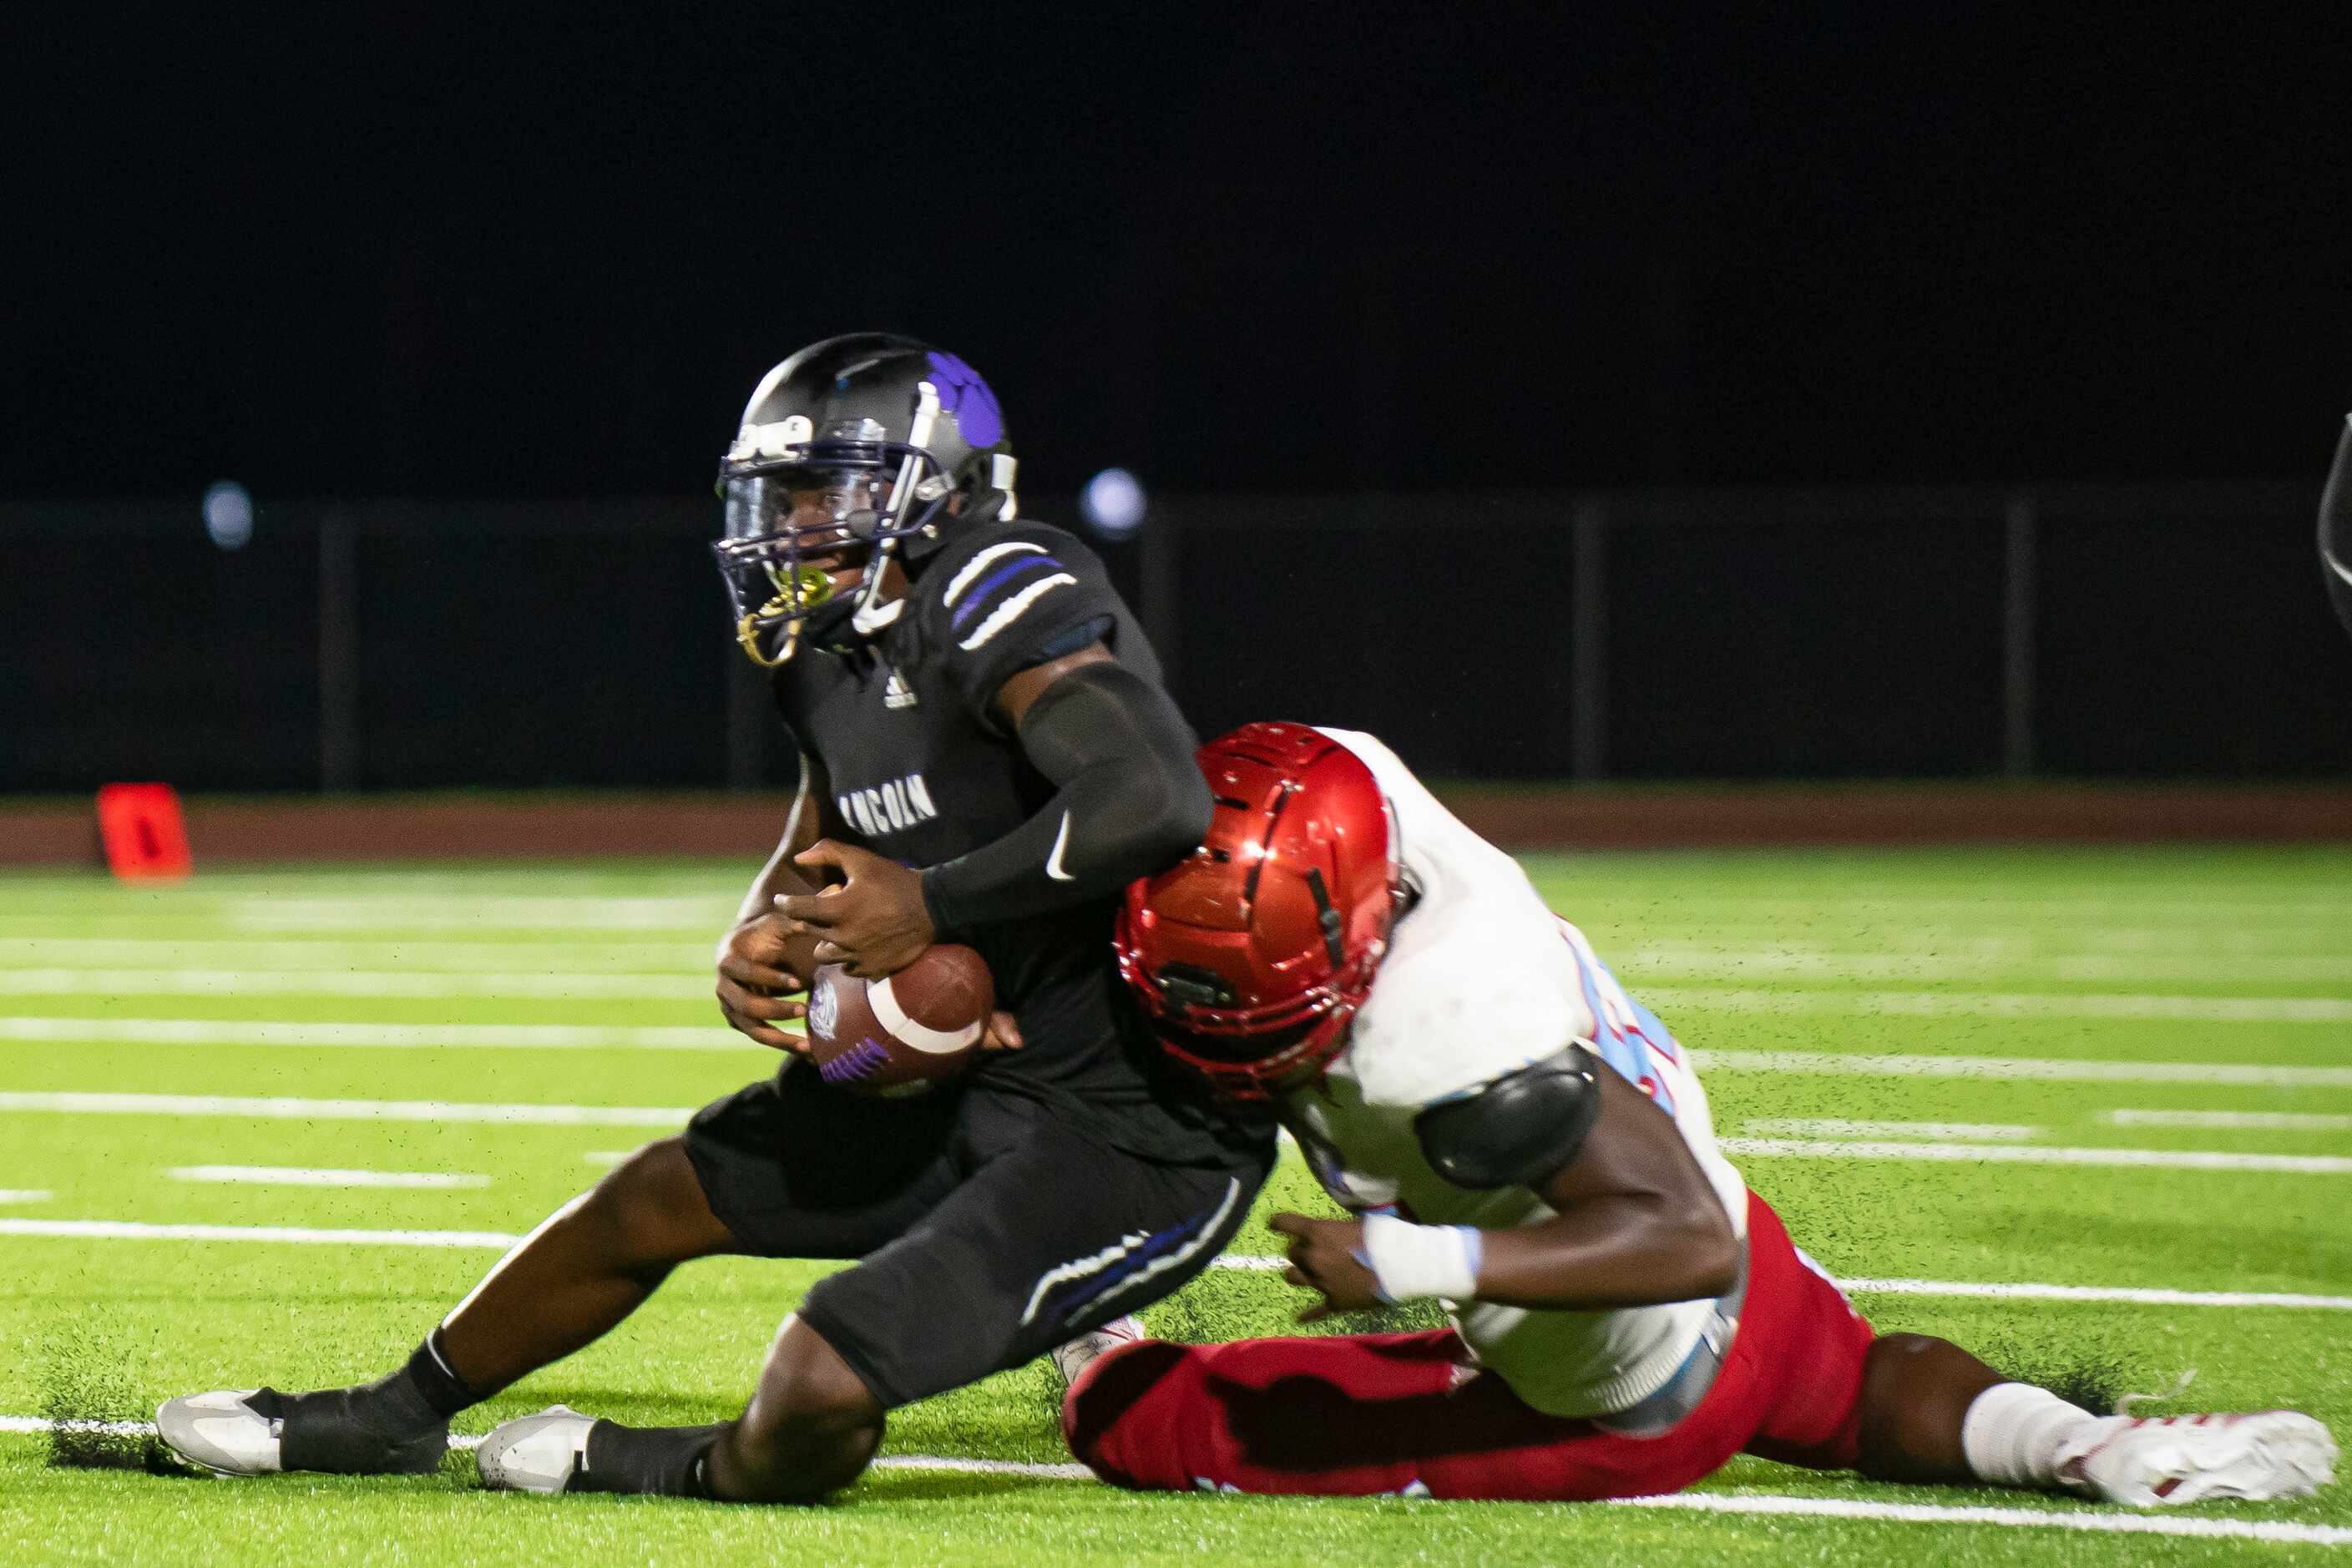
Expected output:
(1520, 1131)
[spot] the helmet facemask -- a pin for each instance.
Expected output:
(1246, 1054)
(803, 505)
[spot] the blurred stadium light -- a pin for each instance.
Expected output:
(1113, 503)
(228, 514)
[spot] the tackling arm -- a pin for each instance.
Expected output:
(1129, 800)
(1638, 1224)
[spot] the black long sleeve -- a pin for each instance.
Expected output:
(1130, 803)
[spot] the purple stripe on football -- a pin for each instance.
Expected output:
(862, 1061)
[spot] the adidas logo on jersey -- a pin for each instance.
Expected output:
(887, 808)
(896, 693)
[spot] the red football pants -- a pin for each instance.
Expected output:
(1364, 1415)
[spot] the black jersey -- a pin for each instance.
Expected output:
(923, 768)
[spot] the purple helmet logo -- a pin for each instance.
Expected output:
(965, 395)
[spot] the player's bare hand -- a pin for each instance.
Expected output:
(873, 922)
(757, 974)
(1327, 1255)
(1002, 1034)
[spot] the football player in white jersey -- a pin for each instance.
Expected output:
(1519, 1139)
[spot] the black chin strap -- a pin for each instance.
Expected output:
(981, 505)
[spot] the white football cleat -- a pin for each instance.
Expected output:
(538, 1453)
(221, 1433)
(1079, 1353)
(2163, 1462)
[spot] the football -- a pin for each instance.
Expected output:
(905, 1034)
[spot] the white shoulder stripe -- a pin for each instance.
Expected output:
(979, 564)
(1010, 611)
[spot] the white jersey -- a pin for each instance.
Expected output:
(1481, 979)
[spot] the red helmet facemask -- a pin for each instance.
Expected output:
(1251, 955)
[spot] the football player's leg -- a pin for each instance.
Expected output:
(1932, 1412)
(1051, 1235)
(1910, 1407)
(1363, 1416)
(1054, 1236)
(588, 1266)
(811, 1428)
(781, 1169)
(730, 1184)
(785, 1169)
(1342, 1416)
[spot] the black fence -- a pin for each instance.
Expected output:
(2060, 630)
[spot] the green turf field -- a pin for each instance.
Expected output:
(1928, 1061)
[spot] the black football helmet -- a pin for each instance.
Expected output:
(885, 432)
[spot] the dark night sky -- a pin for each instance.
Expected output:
(1229, 246)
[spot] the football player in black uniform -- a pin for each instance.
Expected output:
(987, 756)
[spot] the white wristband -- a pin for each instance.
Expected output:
(1414, 1260)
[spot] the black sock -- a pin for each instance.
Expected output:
(373, 1429)
(398, 1424)
(650, 1461)
(429, 1370)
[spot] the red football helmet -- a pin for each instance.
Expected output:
(1251, 955)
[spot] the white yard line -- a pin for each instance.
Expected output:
(430, 985)
(2017, 910)
(655, 987)
(499, 1241)
(1841, 1064)
(2000, 1291)
(513, 974)
(312, 1176)
(2103, 1522)
(711, 1036)
(25, 1194)
(459, 911)
(287, 1109)
(567, 953)
(1847, 1127)
(2231, 970)
(2313, 940)
(2136, 1295)
(296, 1235)
(2245, 1121)
(980, 1467)
(1654, 963)
(2008, 1005)
(2106, 1523)
(2009, 1154)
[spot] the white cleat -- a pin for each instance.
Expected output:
(221, 1433)
(2175, 1460)
(1080, 1354)
(538, 1453)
